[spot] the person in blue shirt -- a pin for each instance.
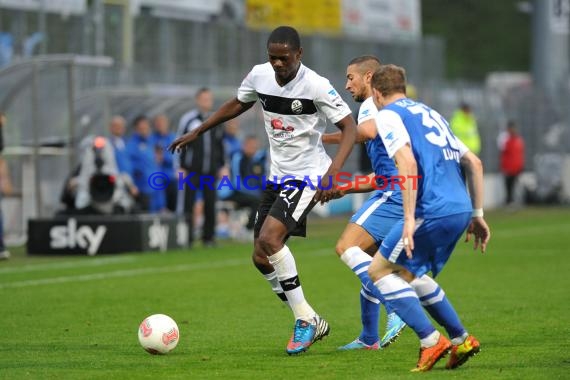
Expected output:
(371, 223)
(124, 164)
(162, 137)
(142, 154)
(232, 143)
(437, 210)
(247, 169)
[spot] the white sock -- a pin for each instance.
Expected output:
(276, 286)
(430, 340)
(284, 264)
(460, 339)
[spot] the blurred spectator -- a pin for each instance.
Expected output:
(232, 143)
(2, 123)
(202, 159)
(5, 190)
(124, 165)
(464, 126)
(247, 169)
(5, 187)
(511, 147)
(142, 154)
(162, 138)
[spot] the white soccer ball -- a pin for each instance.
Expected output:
(158, 334)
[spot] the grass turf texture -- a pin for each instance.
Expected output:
(77, 317)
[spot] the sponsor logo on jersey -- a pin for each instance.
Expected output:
(332, 92)
(277, 125)
(389, 136)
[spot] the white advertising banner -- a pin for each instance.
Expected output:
(66, 7)
(382, 20)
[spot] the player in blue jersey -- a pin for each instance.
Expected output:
(371, 223)
(436, 213)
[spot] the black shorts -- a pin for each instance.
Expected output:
(289, 203)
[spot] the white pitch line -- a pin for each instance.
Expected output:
(122, 274)
(87, 262)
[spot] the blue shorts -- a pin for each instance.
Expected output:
(378, 214)
(434, 240)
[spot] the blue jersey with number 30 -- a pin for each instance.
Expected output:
(441, 187)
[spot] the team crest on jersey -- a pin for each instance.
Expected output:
(297, 106)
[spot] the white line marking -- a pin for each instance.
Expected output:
(88, 262)
(134, 272)
(122, 273)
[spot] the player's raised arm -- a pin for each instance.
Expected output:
(227, 111)
(473, 169)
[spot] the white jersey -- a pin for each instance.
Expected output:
(294, 117)
(367, 111)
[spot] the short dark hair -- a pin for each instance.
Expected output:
(285, 35)
(138, 119)
(366, 63)
(201, 90)
(364, 58)
(389, 79)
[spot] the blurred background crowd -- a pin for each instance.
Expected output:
(93, 91)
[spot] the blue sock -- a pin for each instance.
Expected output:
(358, 261)
(404, 301)
(370, 315)
(434, 300)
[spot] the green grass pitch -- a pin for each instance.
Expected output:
(77, 317)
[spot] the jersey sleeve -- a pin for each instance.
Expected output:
(329, 102)
(462, 147)
(392, 131)
(367, 111)
(246, 92)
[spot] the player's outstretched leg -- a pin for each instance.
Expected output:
(435, 301)
(309, 327)
(358, 261)
(404, 300)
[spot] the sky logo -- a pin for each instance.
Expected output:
(389, 136)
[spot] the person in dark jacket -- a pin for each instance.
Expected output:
(199, 164)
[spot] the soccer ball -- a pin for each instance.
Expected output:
(158, 334)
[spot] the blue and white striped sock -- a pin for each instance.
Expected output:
(434, 300)
(358, 261)
(404, 301)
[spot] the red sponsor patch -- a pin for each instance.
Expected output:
(170, 337)
(145, 328)
(277, 124)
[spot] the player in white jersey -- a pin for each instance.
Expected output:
(296, 101)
